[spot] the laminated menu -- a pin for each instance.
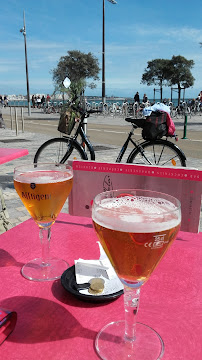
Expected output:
(91, 178)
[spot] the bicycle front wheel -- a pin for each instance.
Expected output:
(158, 153)
(60, 150)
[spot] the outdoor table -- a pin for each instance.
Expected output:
(8, 154)
(53, 324)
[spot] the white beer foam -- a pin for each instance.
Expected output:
(43, 177)
(137, 214)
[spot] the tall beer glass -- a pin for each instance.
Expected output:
(135, 228)
(43, 189)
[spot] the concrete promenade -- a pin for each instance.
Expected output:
(32, 141)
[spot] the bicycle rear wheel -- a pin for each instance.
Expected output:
(159, 153)
(60, 150)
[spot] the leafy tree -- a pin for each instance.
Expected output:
(180, 74)
(156, 73)
(78, 67)
(169, 72)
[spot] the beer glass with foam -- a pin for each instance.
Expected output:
(43, 189)
(135, 228)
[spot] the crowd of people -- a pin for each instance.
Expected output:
(39, 101)
(137, 98)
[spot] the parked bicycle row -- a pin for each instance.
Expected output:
(51, 107)
(190, 107)
(116, 109)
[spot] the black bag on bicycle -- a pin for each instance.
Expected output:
(67, 121)
(155, 126)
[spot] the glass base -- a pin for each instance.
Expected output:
(38, 271)
(110, 343)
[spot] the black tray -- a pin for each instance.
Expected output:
(68, 281)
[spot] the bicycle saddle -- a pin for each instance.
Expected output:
(138, 122)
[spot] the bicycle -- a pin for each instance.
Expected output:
(181, 111)
(160, 152)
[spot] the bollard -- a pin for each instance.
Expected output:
(11, 116)
(22, 118)
(185, 127)
(16, 121)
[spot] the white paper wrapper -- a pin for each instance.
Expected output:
(102, 268)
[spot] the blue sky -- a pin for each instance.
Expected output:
(135, 32)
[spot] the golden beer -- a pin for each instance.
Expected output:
(135, 233)
(44, 193)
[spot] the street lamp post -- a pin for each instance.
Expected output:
(103, 50)
(23, 31)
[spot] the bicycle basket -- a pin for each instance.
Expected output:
(155, 126)
(67, 121)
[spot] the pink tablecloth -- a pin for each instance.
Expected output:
(7, 154)
(54, 325)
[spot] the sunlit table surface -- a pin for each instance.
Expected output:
(8, 154)
(53, 324)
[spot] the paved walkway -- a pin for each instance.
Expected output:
(32, 142)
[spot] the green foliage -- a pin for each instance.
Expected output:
(179, 71)
(176, 71)
(156, 72)
(77, 66)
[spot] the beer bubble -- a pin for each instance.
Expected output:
(43, 177)
(137, 214)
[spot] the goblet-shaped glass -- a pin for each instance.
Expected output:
(135, 228)
(43, 189)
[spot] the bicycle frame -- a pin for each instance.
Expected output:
(138, 145)
(86, 141)
(125, 145)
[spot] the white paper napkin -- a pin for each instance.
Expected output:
(102, 268)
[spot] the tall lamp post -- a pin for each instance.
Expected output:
(103, 50)
(23, 31)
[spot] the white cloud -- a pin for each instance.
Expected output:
(147, 31)
(125, 62)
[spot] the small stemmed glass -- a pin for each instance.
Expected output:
(135, 228)
(43, 189)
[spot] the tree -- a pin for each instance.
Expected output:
(180, 74)
(78, 67)
(156, 73)
(169, 72)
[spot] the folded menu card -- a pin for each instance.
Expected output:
(92, 178)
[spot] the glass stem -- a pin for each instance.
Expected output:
(131, 304)
(45, 236)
